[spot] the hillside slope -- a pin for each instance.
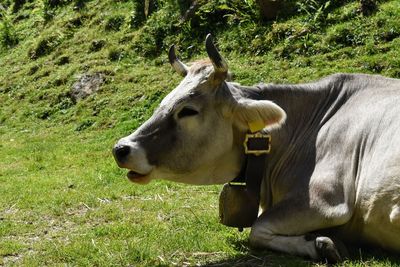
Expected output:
(48, 45)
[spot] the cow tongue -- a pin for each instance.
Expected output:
(138, 178)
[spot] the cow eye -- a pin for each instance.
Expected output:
(186, 112)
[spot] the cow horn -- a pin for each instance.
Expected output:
(219, 63)
(181, 68)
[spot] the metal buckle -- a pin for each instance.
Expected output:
(257, 152)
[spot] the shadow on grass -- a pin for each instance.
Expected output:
(265, 258)
(253, 258)
(250, 257)
(369, 255)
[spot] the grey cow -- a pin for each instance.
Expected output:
(334, 168)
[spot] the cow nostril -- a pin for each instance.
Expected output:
(121, 151)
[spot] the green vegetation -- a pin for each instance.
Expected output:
(62, 198)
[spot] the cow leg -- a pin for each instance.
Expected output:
(285, 228)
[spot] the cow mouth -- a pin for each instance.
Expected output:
(138, 177)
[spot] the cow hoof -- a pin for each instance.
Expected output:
(330, 250)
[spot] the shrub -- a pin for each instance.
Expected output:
(114, 23)
(48, 12)
(43, 112)
(96, 45)
(153, 38)
(75, 22)
(55, 3)
(171, 22)
(84, 125)
(18, 5)
(33, 70)
(115, 54)
(44, 46)
(79, 4)
(316, 11)
(141, 10)
(368, 7)
(62, 60)
(8, 36)
(346, 35)
(49, 7)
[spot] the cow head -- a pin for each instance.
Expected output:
(195, 135)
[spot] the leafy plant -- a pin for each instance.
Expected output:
(115, 54)
(245, 11)
(49, 6)
(47, 11)
(142, 9)
(368, 7)
(8, 36)
(96, 45)
(114, 23)
(316, 10)
(44, 46)
(18, 5)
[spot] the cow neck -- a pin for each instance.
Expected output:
(306, 105)
(303, 105)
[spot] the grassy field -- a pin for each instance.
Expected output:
(63, 201)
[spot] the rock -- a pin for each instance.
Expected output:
(86, 85)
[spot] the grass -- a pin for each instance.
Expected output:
(63, 200)
(66, 202)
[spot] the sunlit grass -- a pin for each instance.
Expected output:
(64, 201)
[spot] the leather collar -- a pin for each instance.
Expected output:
(257, 146)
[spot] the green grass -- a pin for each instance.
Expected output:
(63, 201)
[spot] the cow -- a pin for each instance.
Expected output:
(333, 172)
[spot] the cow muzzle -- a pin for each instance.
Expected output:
(130, 155)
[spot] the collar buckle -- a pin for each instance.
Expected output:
(257, 144)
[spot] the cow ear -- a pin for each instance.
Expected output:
(256, 115)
